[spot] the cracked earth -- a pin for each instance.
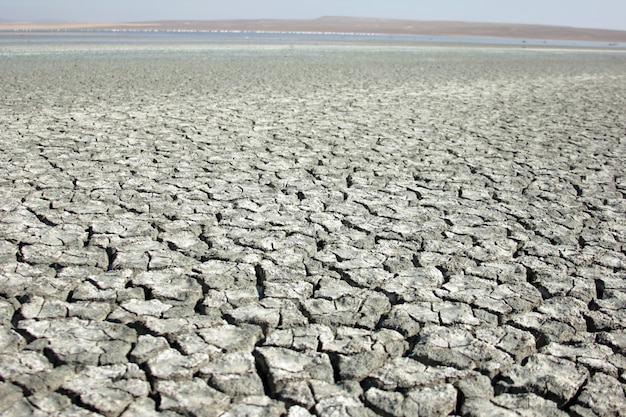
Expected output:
(312, 231)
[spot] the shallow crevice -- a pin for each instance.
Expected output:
(171, 246)
(57, 267)
(76, 400)
(150, 257)
(147, 291)
(260, 275)
(351, 225)
(369, 382)
(346, 278)
(90, 234)
(600, 287)
(199, 308)
(42, 218)
(375, 409)
(412, 341)
(263, 371)
(531, 277)
(334, 362)
(17, 317)
(153, 394)
(541, 339)
(572, 401)
(19, 255)
(444, 273)
(394, 299)
(591, 326)
(53, 358)
(367, 207)
(460, 400)
(111, 255)
(141, 329)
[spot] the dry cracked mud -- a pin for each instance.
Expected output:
(314, 230)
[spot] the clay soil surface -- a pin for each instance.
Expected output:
(311, 230)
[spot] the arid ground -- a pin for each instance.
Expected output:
(311, 230)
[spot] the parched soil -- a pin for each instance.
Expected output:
(275, 230)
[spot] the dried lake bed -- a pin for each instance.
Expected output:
(304, 228)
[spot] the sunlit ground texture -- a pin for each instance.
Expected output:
(296, 229)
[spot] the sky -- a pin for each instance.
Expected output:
(602, 14)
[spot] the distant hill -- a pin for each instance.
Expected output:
(352, 25)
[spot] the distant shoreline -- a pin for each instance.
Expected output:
(346, 25)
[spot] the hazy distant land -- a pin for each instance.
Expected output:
(350, 25)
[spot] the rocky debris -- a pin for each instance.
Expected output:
(358, 352)
(527, 404)
(257, 406)
(403, 231)
(595, 357)
(558, 319)
(147, 347)
(447, 346)
(428, 401)
(516, 343)
(229, 338)
(191, 397)
(413, 284)
(170, 286)
(474, 394)
(341, 399)
(142, 407)
(603, 395)
(234, 374)
(268, 313)
(170, 364)
(300, 338)
(289, 373)
(405, 373)
(77, 341)
(108, 389)
(337, 303)
(9, 396)
(500, 300)
(550, 377)
(10, 340)
(32, 371)
(51, 403)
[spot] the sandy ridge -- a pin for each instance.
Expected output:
(349, 24)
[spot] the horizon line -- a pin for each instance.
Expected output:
(346, 24)
(114, 21)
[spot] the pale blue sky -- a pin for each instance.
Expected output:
(608, 14)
